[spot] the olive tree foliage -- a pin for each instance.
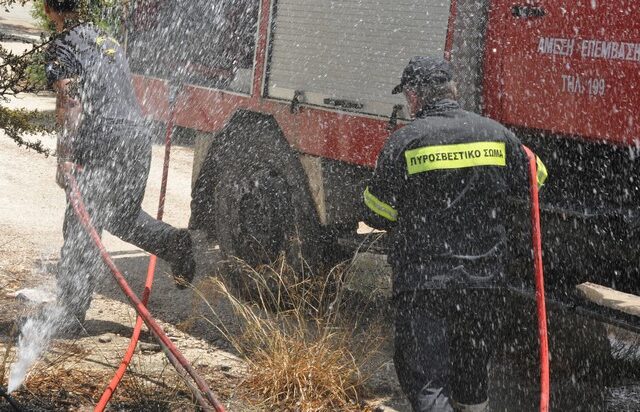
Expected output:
(16, 74)
(24, 73)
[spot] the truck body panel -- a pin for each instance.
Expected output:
(568, 67)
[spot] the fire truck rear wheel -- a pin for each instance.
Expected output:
(258, 219)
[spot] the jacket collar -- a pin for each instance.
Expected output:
(438, 108)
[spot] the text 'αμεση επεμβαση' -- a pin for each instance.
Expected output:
(590, 48)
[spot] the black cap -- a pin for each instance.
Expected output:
(424, 70)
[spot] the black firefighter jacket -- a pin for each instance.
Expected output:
(448, 187)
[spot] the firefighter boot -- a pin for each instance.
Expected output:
(183, 263)
(432, 399)
(480, 407)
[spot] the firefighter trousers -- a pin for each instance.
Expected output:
(113, 199)
(443, 342)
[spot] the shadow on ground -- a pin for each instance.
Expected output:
(181, 307)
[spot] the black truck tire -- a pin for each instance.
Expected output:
(252, 196)
(258, 218)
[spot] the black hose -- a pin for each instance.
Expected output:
(9, 399)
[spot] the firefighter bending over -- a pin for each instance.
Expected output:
(440, 188)
(109, 151)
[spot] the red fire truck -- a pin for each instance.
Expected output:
(291, 102)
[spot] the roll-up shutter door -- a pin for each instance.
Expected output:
(350, 53)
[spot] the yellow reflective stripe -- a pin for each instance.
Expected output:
(455, 156)
(542, 174)
(379, 207)
(101, 39)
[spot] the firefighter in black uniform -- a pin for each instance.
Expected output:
(440, 189)
(108, 149)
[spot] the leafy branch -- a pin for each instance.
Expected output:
(24, 73)
(7, 3)
(18, 74)
(18, 122)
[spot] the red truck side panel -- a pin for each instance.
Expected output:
(334, 135)
(450, 27)
(569, 67)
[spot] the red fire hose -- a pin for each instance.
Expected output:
(539, 276)
(124, 364)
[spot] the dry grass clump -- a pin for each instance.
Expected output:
(301, 356)
(315, 375)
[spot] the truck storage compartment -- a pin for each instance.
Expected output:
(349, 54)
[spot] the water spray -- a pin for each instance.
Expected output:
(124, 364)
(178, 360)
